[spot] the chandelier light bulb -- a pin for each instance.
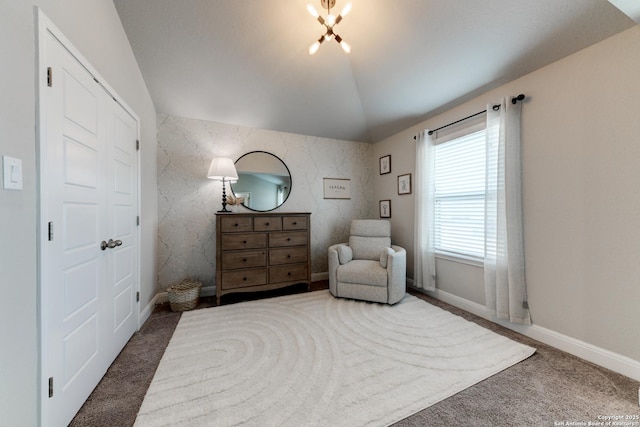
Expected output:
(331, 20)
(346, 10)
(312, 10)
(314, 48)
(345, 46)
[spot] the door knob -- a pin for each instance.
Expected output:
(110, 244)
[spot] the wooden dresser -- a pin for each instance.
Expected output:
(261, 251)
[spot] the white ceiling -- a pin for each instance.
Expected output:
(245, 62)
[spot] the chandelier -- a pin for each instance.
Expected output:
(329, 23)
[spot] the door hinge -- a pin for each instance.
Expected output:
(138, 220)
(50, 386)
(49, 77)
(525, 305)
(137, 145)
(137, 296)
(50, 230)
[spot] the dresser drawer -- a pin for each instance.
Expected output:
(243, 259)
(243, 278)
(243, 241)
(287, 239)
(294, 223)
(267, 224)
(288, 273)
(288, 255)
(231, 224)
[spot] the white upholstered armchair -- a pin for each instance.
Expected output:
(369, 267)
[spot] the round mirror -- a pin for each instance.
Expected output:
(264, 181)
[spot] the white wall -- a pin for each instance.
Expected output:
(188, 200)
(95, 30)
(581, 188)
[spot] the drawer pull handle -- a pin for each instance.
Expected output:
(244, 242)
(289, 239)
(288, 273)
(267, 224)
(244, 260)
(295, 222)
(244, 279)
(288, 256)
(236, 224)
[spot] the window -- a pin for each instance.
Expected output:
(459, 179)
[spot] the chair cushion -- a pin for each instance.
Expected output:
(370, 228)
(368, 237)
(368, 247)
(364, 272)
(345, 254)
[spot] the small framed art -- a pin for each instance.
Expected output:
(404, 184)
(385, 208)
(336, 188)
(385, 164)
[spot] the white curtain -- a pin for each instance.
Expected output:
(424, 258)
(504, 269)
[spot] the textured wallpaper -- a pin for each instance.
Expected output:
(187, 200)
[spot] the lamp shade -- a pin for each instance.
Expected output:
(222, 168)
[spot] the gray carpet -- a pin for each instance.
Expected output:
(547, 388)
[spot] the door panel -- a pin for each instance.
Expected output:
(80, 101)
(81, 226)
(122, 196)
(122, 265)
(80, 347)
(73, 195)
(123, 308)
(123, 227)
(80, 286)
(80, 164)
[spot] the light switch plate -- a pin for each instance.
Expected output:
(12, 169)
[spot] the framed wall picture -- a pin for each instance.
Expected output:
(336, 188)
(385, 208)
(404, 184)
(385, 164)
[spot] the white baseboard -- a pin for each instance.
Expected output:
(146, 311)
(605, 358)
(208, 291)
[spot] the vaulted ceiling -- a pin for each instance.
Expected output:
(245, 62)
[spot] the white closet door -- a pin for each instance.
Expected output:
(122, 196)
(89, 196)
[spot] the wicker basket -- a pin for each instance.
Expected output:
(184, 296)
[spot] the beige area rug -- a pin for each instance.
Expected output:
(314, 360)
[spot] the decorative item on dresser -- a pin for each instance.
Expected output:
(261, 251)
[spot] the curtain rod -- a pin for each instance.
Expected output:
(495, 108)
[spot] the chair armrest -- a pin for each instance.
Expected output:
(397, 258)
(344, 251)
(334, 263)
(397, 274)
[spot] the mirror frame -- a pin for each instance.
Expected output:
(285, 166)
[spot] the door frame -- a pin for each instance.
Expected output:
(43, 27)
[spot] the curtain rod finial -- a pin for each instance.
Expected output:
(517, 98)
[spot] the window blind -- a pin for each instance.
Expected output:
(460, 174)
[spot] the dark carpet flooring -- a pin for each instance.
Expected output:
(551, 388)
